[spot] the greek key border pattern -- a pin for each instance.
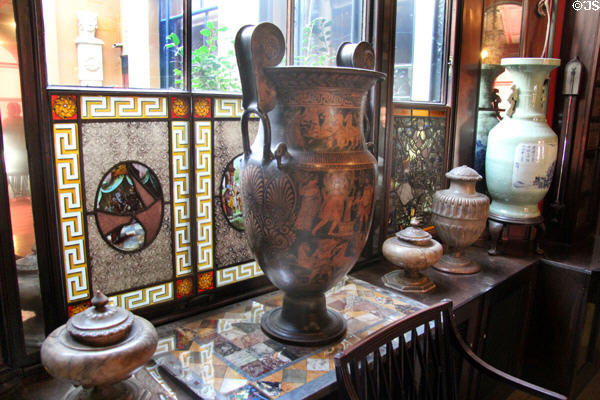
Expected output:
(228, 108)
(203, 172)
(254, 315)
(143, 297)
(70, 210)
(165, 345)
(104, 107)
(204, 362)
(155, 374)
(68, 166)
(238, 273)
(182, 221)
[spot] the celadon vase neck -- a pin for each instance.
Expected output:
(528, 75)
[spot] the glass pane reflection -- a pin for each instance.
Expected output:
(17, 171)
(214, 26)
(112, 43)
(320, 26)
(501, 38)
(419, 41)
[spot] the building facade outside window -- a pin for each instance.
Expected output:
(419, 55)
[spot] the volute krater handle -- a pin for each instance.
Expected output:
(355, 55)
(359, 55)
(258, 47)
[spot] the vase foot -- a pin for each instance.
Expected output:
(328, 329)
(399, 281)
(457, 265)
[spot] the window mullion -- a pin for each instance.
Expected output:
(289, 28)
(187, 40)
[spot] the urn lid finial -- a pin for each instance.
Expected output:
(101, 324)
(413, 234)
(463, 173)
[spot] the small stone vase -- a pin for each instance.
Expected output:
(522, 149)
(413, 250)
(459, 216)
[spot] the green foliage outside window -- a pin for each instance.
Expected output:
(210, 71)
(316, 44)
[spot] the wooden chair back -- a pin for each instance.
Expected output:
(415, 358)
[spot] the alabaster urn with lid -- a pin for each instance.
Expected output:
(98, 350)
(413, 250)
(459, 216)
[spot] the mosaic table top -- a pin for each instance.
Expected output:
(223, 354)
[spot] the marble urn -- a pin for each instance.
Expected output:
(413, 250)
(98, 349)
(459, 216)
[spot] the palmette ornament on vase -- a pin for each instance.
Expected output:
(307, 181)
(522, 148)
(459, 216)
(413, 250)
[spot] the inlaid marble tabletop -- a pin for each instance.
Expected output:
(223, 354)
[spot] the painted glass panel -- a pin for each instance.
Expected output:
(417, 167)
(231, 197)
(231, 247)
(129, 206)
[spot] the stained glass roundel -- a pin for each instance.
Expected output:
(231, 196)
(129, 206)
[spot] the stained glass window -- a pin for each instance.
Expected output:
(418, 141)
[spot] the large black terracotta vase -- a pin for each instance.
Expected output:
(307, 180)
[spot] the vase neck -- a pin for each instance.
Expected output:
(465, 187)
(530, 96)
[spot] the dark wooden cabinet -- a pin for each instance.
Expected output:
(504, 323)
(563, 343)
(492, 309)
(468, 318)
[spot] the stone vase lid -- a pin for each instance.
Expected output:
(463, 173)
(100, 325)
(413, 234)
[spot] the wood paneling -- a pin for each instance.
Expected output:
(533, 30)
(466, 81)
(556, 327)
(581, 38)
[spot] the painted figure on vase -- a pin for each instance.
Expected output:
(307, 180)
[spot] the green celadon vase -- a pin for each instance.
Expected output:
(522, 148)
